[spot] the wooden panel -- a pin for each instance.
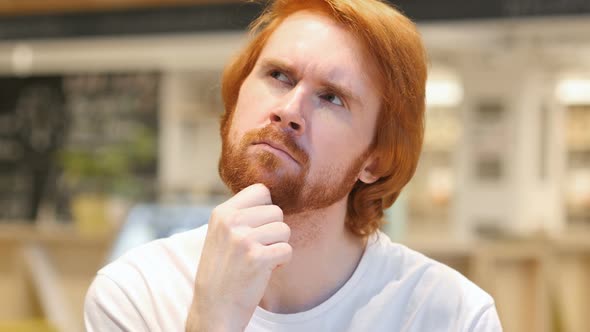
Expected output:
(514, 273)
(18, 300)
(76, 265)
(519, 297)
(73, 257)
(460, 263)
(75, 288)
(572, 292)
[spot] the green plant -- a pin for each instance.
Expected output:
(111, 168)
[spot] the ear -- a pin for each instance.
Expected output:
(367, 174)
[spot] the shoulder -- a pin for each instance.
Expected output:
(162, 259)
(146, 284)
(108, 308)
(409, 266)
(430, 289)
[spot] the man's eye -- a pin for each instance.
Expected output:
(332, 98)
(279, 76)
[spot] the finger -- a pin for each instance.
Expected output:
(260, 215)
(277, 254)
(254, 195)
(271, 233)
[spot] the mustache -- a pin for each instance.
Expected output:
(273, 134)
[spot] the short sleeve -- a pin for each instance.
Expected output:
(488, 321)
(108, 308)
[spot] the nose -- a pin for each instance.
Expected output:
(289, 114)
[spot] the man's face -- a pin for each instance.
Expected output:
(305, 116)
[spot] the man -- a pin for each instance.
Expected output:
(323, 128)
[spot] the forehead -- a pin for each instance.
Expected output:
(314, 41)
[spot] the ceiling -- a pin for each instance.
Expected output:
(33, 7)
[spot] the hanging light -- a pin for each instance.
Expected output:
(574, 91)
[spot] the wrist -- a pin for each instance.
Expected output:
(206, 321)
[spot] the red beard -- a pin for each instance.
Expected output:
(290, 189)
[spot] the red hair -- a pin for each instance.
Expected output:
(394, 47)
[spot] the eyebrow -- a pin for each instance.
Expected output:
(333, 87)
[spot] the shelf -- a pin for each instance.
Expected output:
(24, 231)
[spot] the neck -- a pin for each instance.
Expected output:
(325, 254)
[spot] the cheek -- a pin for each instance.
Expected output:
(342, 131)
(336, 143)
(251, 108)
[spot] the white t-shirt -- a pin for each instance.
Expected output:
(392, 289)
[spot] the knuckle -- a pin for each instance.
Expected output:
(223, 224)
(278, 212)
(289, 252)
(227, 218)
(217, 222)
(218, 214)
(263, 190)
(215, 213)
(233, 218)
(286, 251)
(253, 256)
(237, 237)
(241, 240)
(286, 230)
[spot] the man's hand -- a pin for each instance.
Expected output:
(246, 240)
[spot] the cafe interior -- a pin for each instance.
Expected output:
(109, 138)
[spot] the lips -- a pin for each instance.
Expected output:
(278, 142)
(276, 146)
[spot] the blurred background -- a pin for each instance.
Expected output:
(109, 138)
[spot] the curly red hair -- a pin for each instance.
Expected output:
(394, 47)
